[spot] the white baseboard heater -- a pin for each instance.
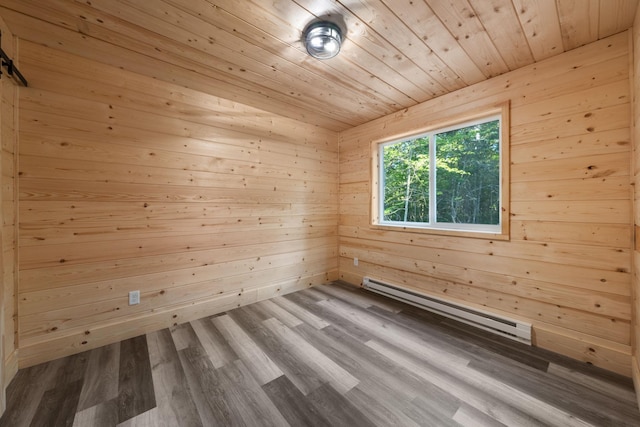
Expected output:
(509, 328)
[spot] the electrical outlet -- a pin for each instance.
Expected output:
(134, 297)
(355, 262)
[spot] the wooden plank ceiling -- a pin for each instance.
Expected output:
(397, 53)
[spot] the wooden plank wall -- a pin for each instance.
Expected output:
(636, 201)
(8, 139)
(567, 266)
(129, 183)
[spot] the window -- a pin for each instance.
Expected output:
(449, 178)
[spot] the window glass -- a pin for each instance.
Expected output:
(468, 174)
(406, 181)
(462, 191)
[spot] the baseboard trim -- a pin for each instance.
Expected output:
(89, 338)
(10, 367)
(636, 378)
(599, 352)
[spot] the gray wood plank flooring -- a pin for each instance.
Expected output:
(333, 355)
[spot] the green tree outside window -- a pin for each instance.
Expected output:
(464, 188)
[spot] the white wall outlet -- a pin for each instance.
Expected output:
(355, 262)
(134, 297)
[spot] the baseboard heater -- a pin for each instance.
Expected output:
(509, 328)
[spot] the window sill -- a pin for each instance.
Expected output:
(504, 235)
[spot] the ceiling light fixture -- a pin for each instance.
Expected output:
(323, 39)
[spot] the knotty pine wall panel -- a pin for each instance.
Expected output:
(567, 266)
(8, 290)
(9, 245)
(127, 183)
(635, 164)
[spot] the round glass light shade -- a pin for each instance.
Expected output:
(323, 40)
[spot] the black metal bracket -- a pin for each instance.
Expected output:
(12, 71)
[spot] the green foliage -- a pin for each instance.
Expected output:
(406, 181)
(467, 177)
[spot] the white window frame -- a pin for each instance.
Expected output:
(495, 231)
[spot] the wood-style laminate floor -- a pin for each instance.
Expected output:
(327, 356)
